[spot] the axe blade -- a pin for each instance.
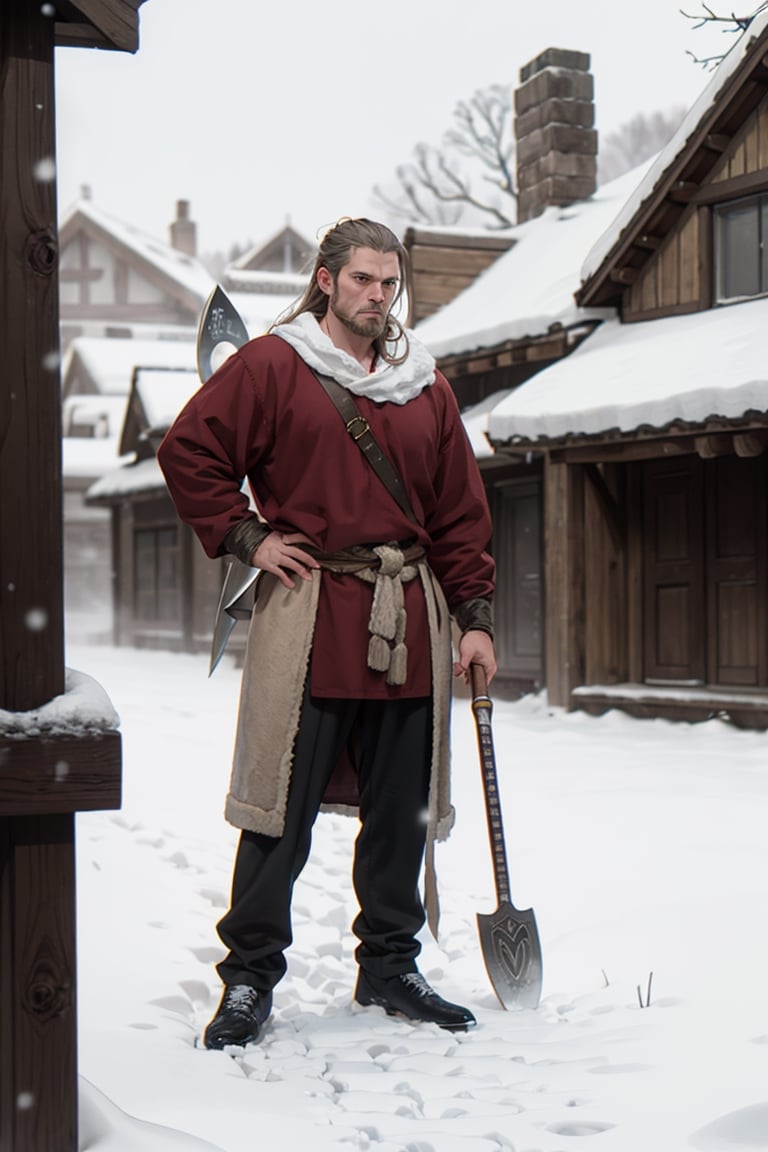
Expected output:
(221, 331)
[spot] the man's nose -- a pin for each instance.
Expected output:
(377, 293)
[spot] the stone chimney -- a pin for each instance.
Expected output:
(555, 134)
(183, 230)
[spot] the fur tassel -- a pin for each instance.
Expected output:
(398, 665)
(379, 654)
(384, 608)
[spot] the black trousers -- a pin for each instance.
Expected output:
(392, 743)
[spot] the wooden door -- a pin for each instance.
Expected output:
(517, 550)
(674, 623)
(736, 571)
(705, 571)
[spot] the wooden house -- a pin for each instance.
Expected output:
(652, 433)
(165, 589)
(126, 300)
(269, 277)
(162, 588)
(116, 281)
(286, 252)
(445, 261)
(97, 372)
(130, 309)
(516, 316)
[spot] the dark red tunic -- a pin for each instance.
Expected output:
(265, 416)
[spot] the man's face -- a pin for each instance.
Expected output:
(362, 294)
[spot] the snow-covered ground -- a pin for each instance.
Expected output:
(641, 846)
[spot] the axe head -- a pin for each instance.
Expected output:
(220, 333)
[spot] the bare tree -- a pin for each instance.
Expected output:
(469, 175)
(731, 24)
(637, 140)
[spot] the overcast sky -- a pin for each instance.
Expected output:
(257, 113)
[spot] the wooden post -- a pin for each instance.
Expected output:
(31, 596)
(564, 579)
(43, 782)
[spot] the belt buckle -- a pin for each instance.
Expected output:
(362, 420)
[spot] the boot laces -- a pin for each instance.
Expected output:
(416, 981)
(240, 999)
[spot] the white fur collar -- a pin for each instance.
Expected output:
(397, 383)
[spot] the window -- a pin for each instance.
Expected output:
(741, 249)
(158, 584)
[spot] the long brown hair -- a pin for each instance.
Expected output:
(333, 253)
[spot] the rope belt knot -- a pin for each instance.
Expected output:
(387, 567)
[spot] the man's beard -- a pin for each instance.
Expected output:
(371, 326)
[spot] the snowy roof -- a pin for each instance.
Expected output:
(89, 457)
(185, 270)
(164, 392)
(475, 421)
(110, 363)
(285, 245)
(594, 257)
(145, 476)
(104, 415)
(530, 288)
(624, 376)
(259, 282)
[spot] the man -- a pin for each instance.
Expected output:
(345, 696)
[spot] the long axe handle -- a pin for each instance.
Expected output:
(482, 708)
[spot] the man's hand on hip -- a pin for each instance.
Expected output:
(280, 555)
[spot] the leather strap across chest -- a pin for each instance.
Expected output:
(359, 429)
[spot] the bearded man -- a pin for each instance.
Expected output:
(346, 689)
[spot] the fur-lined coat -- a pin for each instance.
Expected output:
(265, 417)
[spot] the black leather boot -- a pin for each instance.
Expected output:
(239, 1017)
(409, 994)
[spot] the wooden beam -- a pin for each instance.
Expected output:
(649, 241)
(112, 24)
(564, 581)
(41, 781)
(509, 354)
(624, 275)
(61, 774)
(415, 238)
(683, 191)
(621, 452)
(614, 517)
(733, 187)
(31, 575)
(38, 1010)
(717, 141)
